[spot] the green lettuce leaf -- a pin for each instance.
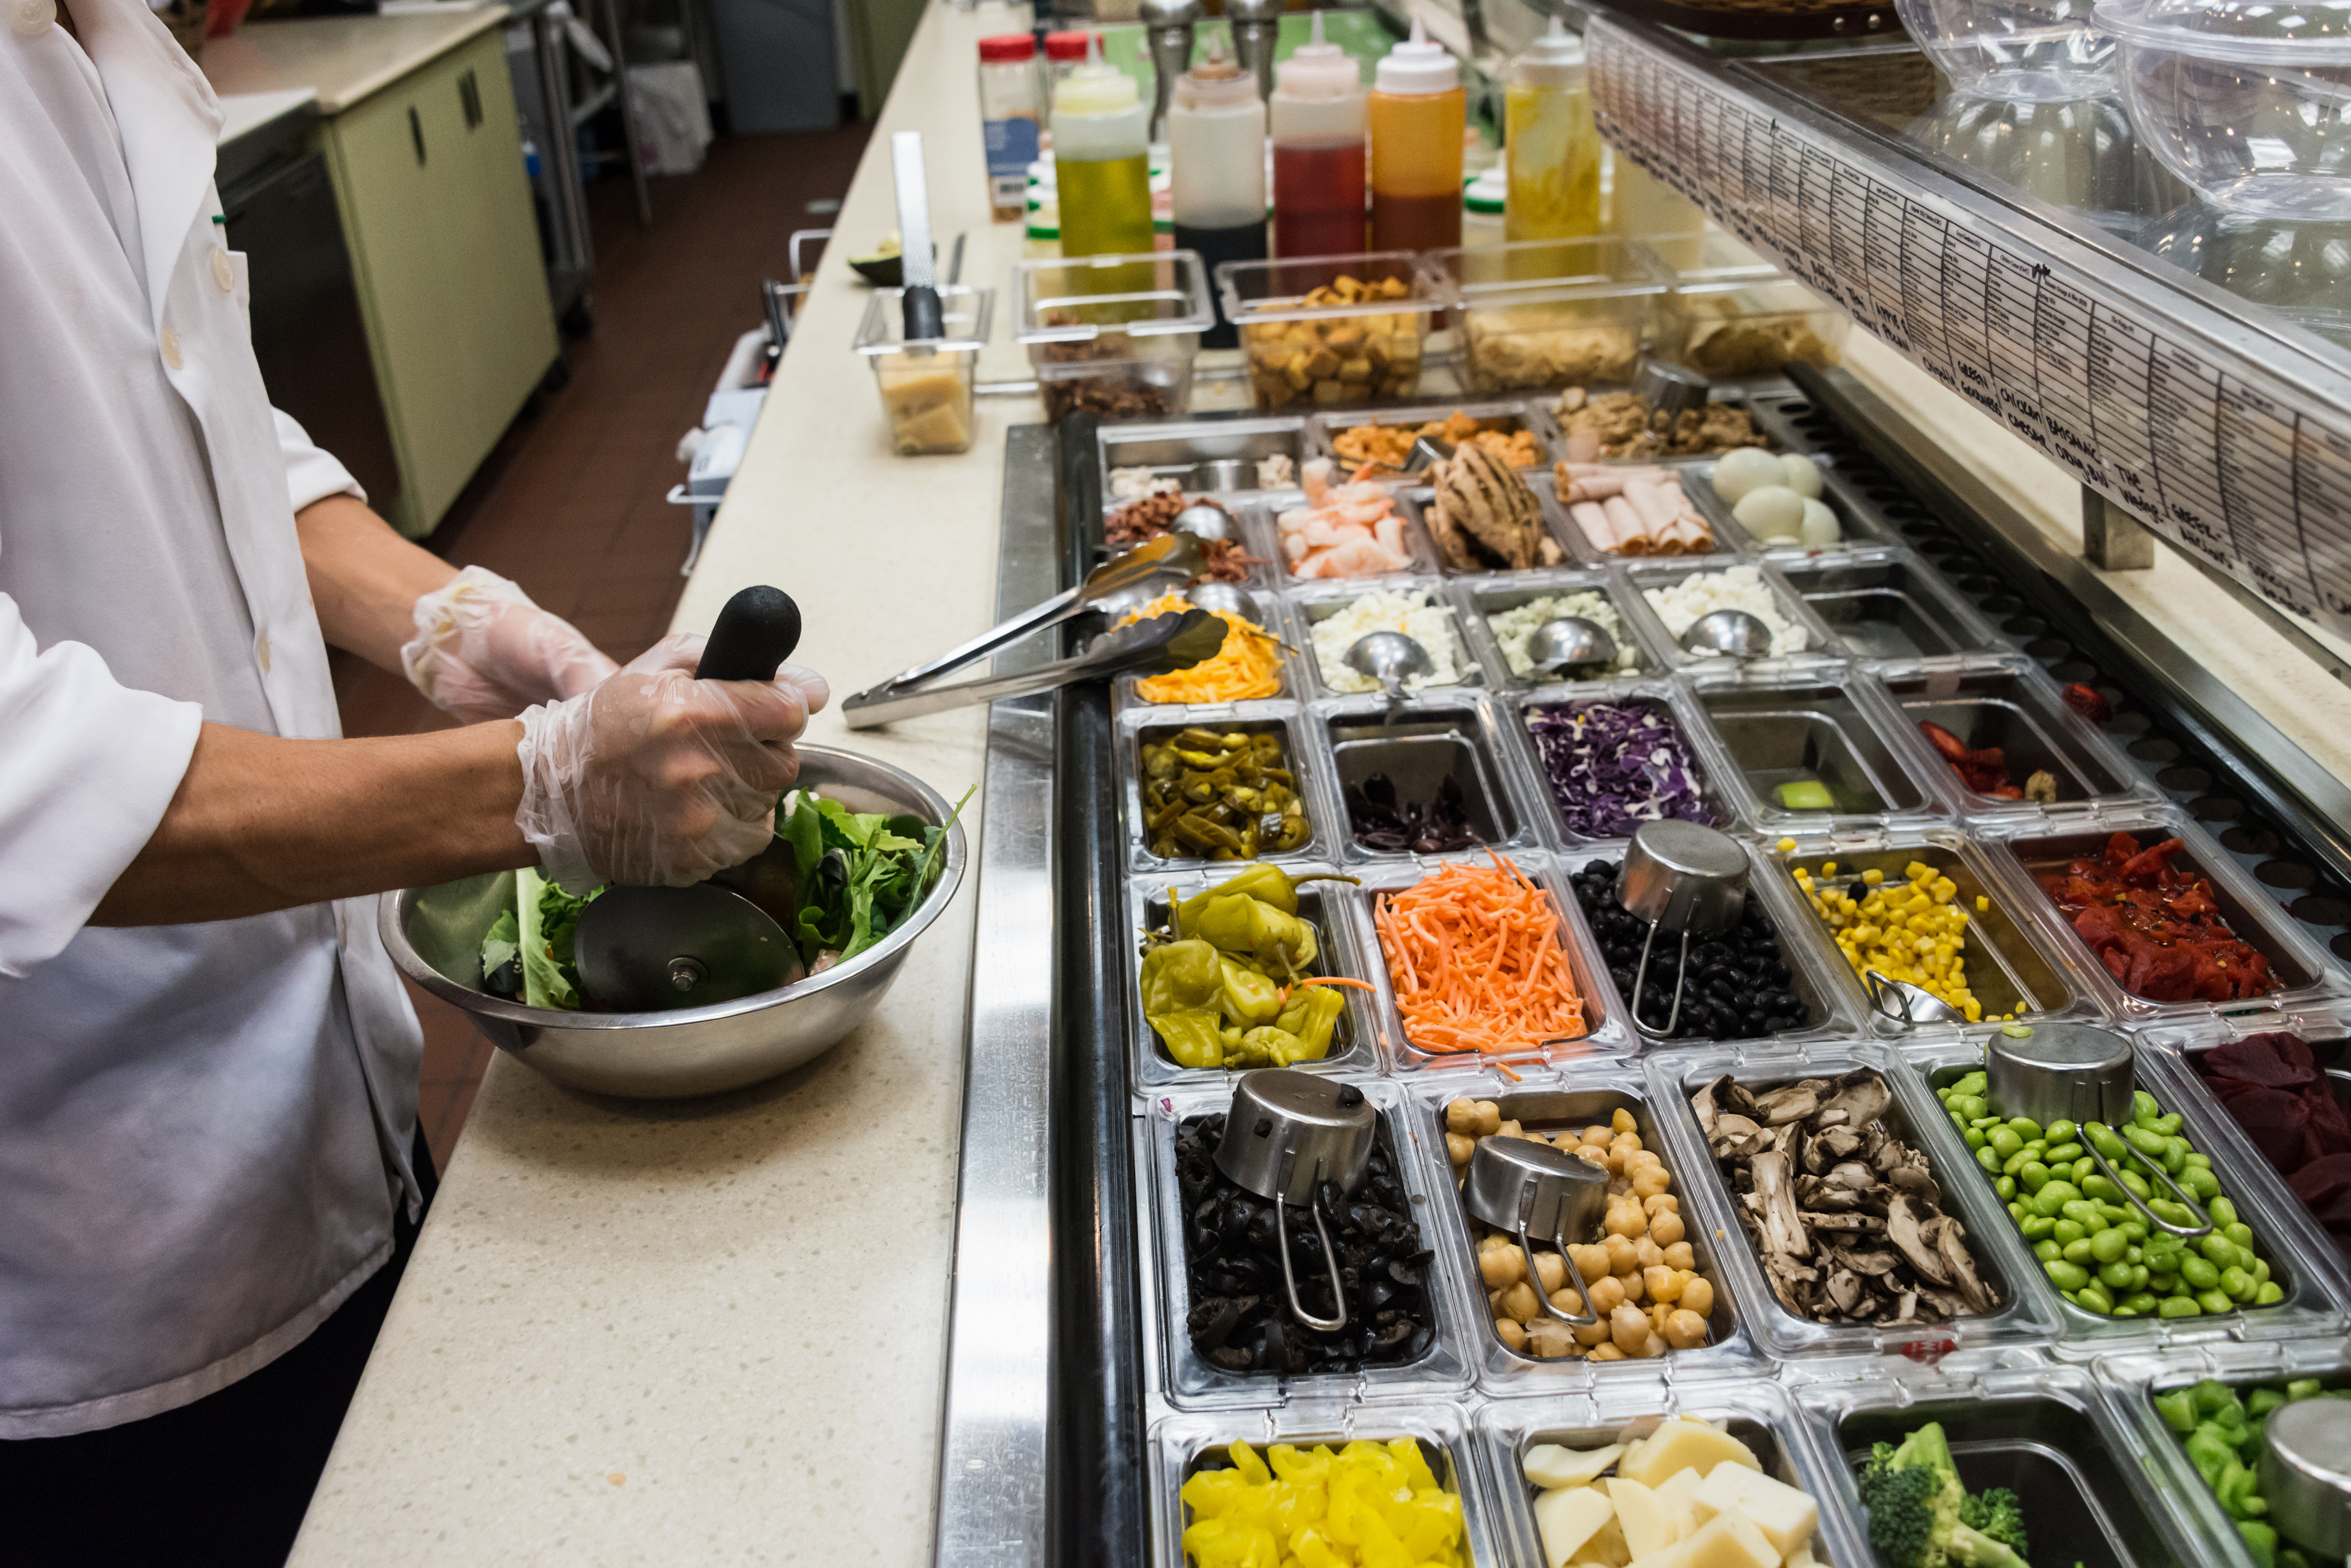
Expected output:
(549, 918)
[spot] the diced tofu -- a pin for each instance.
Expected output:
(1649, 1526)
(1570, 1516)
(1549, 1465)
(1786, 1517)
(1727, 1541)
(1677, 1495)
(1683, 1445)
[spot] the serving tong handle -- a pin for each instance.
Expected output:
(1550, 1309)
(2185, 1201)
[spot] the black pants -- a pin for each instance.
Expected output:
(221, 1482)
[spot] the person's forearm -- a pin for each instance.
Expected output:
(365, 579)
(259, 823)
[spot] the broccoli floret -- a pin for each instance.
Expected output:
(1997, 1512)
(1917, 1503)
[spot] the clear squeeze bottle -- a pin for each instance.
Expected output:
(1554, 153)
(1215, 150)
(1101, 172)
(1317, 115)
(1417, 110)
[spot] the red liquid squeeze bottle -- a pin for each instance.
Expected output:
(1317, 119)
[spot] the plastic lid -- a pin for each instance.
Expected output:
(1554, 60)
(1070, 46)
(1008, 47)
(1318, 70)
(1215, 83)
(1485, 193)
(1096, 87)
(1417, 65)
(2312, 32)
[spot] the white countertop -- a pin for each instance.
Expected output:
(657, 1332)
(339, 59)
(244, 111)
(685, 1332)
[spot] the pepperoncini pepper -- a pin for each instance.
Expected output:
(1230, 990)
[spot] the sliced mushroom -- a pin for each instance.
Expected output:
(1855, 1100)
(1845, 1291)
(1905, 1227)
(1784, 1227)
(1789, 1102)
(1950, 1244)
(1736, 1137)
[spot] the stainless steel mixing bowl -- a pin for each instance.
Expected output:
(434, 935)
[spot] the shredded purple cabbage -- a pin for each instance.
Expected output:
(1614, 766)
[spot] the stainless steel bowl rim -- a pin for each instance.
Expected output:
(391, 909)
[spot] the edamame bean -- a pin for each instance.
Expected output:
(2065, 1276)
(2179, 1307)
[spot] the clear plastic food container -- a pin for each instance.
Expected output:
(1115, 334)
(2043, 51)
(1727, 327)
(1324, 331)
(1552, 313)
(927, 384)
(2246, 101)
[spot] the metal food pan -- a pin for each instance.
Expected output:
(1355, 1041)
(1492, 596)
(1730, 541)
(1604, 1030)
(2050, 1434)
(2312, 1301)
(1310, 607)
(1192, 1380)
(1666, 695)
(1856, 527)
(1830, 1018)
(1505, 414)
(1261, 578)
(2308, 975)
(2009, 970)
(1126, 697)
(1191, 451)
(2024, 1318)
(1580, 1097)
(1265, 514)
(1887, 604)
(1756, 1412)
(1418, 747)
(1183, 1445)
(1832, 726)
(1421, 500)
(1662, 572)
(1148, 724)
(2008, 702)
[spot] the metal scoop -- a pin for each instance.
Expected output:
(1680, 876)
(1226, 599)
(2306, 1475)
(1389, 658)
(1426, 451)
(1287, 1133)
(1203, 521)
(2083, 1075)
(1905, 1003)
(1525, 1188)
(1569, 643)
(1730, 634)
(649, 949)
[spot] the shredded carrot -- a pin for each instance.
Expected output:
(1474, 959)
(1247, 665)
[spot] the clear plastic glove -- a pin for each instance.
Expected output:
(656, 779)
(484, 651)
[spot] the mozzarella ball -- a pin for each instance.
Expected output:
(1745, 469)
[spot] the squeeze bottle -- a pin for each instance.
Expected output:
(1100, 170)
(1215, 150)
(1317, 112)
(1417, 110)
(1554, 153)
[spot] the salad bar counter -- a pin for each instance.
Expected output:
(1516, 1109)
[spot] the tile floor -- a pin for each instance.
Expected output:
(569, 503)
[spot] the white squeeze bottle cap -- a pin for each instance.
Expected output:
(1096, 87)
(1554, 60)
(1318, 70)
(1417, 65)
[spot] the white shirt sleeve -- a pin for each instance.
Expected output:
(312, 474)
(87, 766)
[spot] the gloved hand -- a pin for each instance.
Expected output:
(484, 651)
(657, 778)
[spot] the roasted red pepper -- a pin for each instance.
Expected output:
(2161, 934)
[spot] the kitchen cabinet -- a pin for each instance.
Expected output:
(429, 176)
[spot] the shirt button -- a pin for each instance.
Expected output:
(261, 649)
(171, 348)
(223, 273)
(31, 18)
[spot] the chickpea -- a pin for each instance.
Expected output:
(1591, 1262)
(1598, 1135)
(1652, 1346)
(1642, 1159)
(1591, 1156)
(1567, 1301)
(1511, 1129)
(1667, 1229)
(1501, 1266)
(1607, 1293)
(1519, 1302)
(1605, 1351)
(1622, 1122)
(1551, 1272)
(1685, 1330)
(1461, 1116)
(1549, 1338)
(1698, 1297)
(1661, 1203)
(1614, 1161)
(1625, 1143)
(1628, 1325)
(1647, 1252)
(1489, 1118)
(1622, 1259)
(1623, 1222)
(1511, 1333)
(1459, 1148)
(1650, 1180)
(1679, 1256)
(1634, 1286)
(1662, 1283)
(1591, 1335)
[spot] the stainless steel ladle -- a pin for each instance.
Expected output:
(1287, 1133)
(1727, 633)
(1390, 658)
(1569, 643)
(1529, 1188)
(2083, 1075)
(1208, 523)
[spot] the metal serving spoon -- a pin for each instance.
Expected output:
(1569, 643)
(1732, 633)
(1389, 658)
(1206, 523)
